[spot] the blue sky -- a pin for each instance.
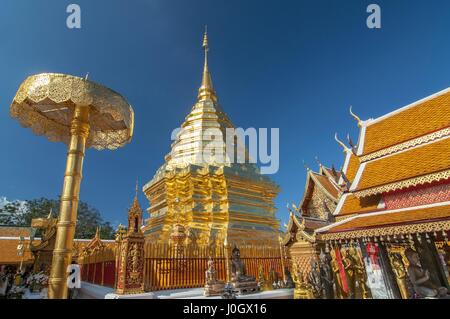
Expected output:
(295, 65)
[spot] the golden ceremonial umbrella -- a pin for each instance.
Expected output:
(81, 114)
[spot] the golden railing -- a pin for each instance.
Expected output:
(167, 266)
(171, 267)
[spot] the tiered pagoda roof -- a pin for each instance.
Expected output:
(401, 151)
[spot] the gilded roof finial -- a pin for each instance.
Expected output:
(306, 166)
(355, 117)
(317, 161)
(135, 205)
(206, 91)
(137, 186)
(346, 149)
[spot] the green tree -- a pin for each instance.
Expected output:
(13, 213)
(88, 218)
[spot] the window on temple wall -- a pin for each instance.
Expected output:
(136, 224)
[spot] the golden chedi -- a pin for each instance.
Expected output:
(200, 186)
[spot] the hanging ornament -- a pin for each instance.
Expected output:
(419, 238)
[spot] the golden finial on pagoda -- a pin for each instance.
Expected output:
(205, 39)
(137, 186)
(206, 91)
(318, 161)
(135, 206)
(306, 166)
(355, 117)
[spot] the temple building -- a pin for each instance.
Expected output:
(321, 195)
(201, 188)
(387, 236)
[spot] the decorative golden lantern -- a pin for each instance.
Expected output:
(81, 114)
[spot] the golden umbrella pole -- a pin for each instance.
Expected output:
(81, 114)
(62, 254)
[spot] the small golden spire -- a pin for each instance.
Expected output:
(318, 161)
(206, 91)
(306, 166)
(135, 205)
(137, 185)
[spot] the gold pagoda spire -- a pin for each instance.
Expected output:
(206, 90)
(135, 206)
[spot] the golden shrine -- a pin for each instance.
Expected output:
(130, 253)
(322, 193)
(388, 234)
(201, 188)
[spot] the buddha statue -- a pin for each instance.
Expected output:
(213, 287)
(239, 278)
(420, 278)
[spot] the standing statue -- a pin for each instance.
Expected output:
(420, 278)
(289, 281)
(315, 280)
(213, 287)
(340, 293)
(302, 289)
(359, 272)
(400, 273)
(263, 284)
(272, 279)
(347, 262)
(240, 281)
(326, 275)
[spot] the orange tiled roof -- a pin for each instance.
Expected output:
(418, 120)
(330, 173)
(393, 218)
(352, 167)
(13, 231)
(423, 160)
(8, 248)
(327, 185)
(8, 251)
(353, 204)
